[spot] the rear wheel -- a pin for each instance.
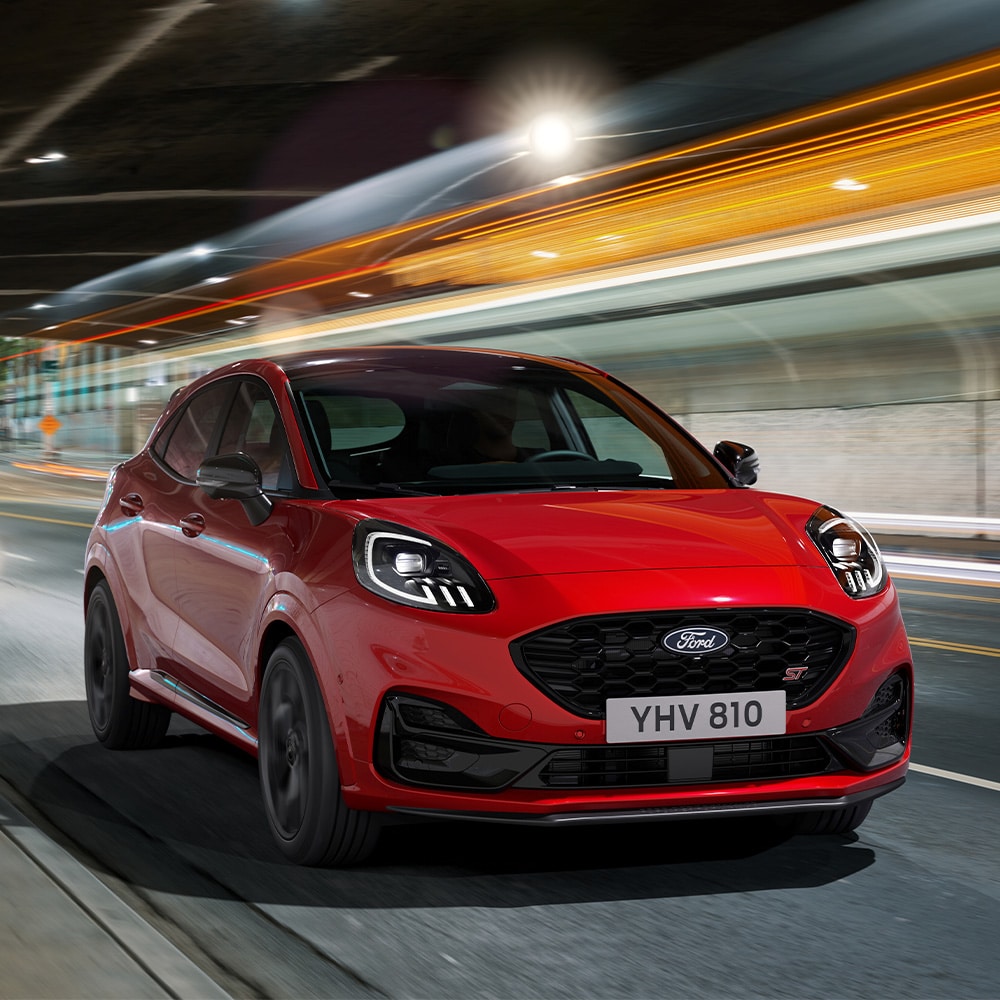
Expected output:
(833, 821)
(299, 779)
(119, 721)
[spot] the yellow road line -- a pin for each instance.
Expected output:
(47, 520)
(955, 647)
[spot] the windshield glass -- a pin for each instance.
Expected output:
(480, 423)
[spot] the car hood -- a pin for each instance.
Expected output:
(526, 534)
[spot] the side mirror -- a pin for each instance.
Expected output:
(740, 459)
(236, 477)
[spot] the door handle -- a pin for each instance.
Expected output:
(131, 504)
(192, 525)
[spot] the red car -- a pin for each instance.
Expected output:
(460, 583)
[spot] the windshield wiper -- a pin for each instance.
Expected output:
(341, 484)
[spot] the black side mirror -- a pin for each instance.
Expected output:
(236, 477)
(740, 459)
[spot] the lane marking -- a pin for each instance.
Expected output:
(951, 597)
(966, 779)
(47, 520)
(955, 647)
(14, 555)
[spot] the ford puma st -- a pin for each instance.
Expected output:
(454, 583)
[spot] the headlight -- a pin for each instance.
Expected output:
(850, 550)
(408, 567)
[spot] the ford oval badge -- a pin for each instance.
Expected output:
(695, 640)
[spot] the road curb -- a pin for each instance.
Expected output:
(147, 947)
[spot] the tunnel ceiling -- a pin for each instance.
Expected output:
(181, 121)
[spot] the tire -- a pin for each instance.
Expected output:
(119, 721)
(299, 780)
(833, 821)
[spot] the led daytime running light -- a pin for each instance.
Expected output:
(410, 568)
(850, 551)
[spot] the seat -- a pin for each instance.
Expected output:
(333, 468)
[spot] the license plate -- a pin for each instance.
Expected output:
(695, 717)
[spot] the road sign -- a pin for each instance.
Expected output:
(48, 425)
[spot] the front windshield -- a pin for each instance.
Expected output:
(464, 426)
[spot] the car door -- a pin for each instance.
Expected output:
(143, 543)
(225, 567)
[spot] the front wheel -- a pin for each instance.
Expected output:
(298, 769)
(119, 721)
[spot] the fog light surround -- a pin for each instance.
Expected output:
(879, 737)
(424, 742)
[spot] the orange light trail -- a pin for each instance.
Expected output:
(257, 296)
(729, 181)
(833, 143)
(752, 133)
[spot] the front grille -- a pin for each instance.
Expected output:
(637, 765)
(582, 663)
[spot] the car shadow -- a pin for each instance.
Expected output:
(187, 819)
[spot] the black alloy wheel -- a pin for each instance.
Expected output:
(299, 779)
(119, 721)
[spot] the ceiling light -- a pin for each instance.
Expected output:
(47, 158)
(149, 342)
(544, 254)
(849, 184)
(551, 137)
(360, 295)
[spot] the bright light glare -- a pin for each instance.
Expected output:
(551, 137)
(47, 158)
(850, 184)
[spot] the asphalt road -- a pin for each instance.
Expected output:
(907, 907)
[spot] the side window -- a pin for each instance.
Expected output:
(613, 436)
(361, 421)
(254, 428)
(351, 433)
(184, 442)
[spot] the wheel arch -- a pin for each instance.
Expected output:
(100, 569)
(94, 576)
(276, 632)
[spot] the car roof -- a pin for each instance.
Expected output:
(415, 357)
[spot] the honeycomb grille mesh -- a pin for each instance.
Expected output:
(583, 662)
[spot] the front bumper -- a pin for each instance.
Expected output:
(455, 769)
(713, 810)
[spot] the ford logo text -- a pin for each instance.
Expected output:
(695, 640)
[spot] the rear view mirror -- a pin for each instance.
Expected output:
(740, 459)
(235, 477)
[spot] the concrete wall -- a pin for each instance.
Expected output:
(925, 458)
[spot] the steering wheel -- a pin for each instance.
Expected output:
(560, 455)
